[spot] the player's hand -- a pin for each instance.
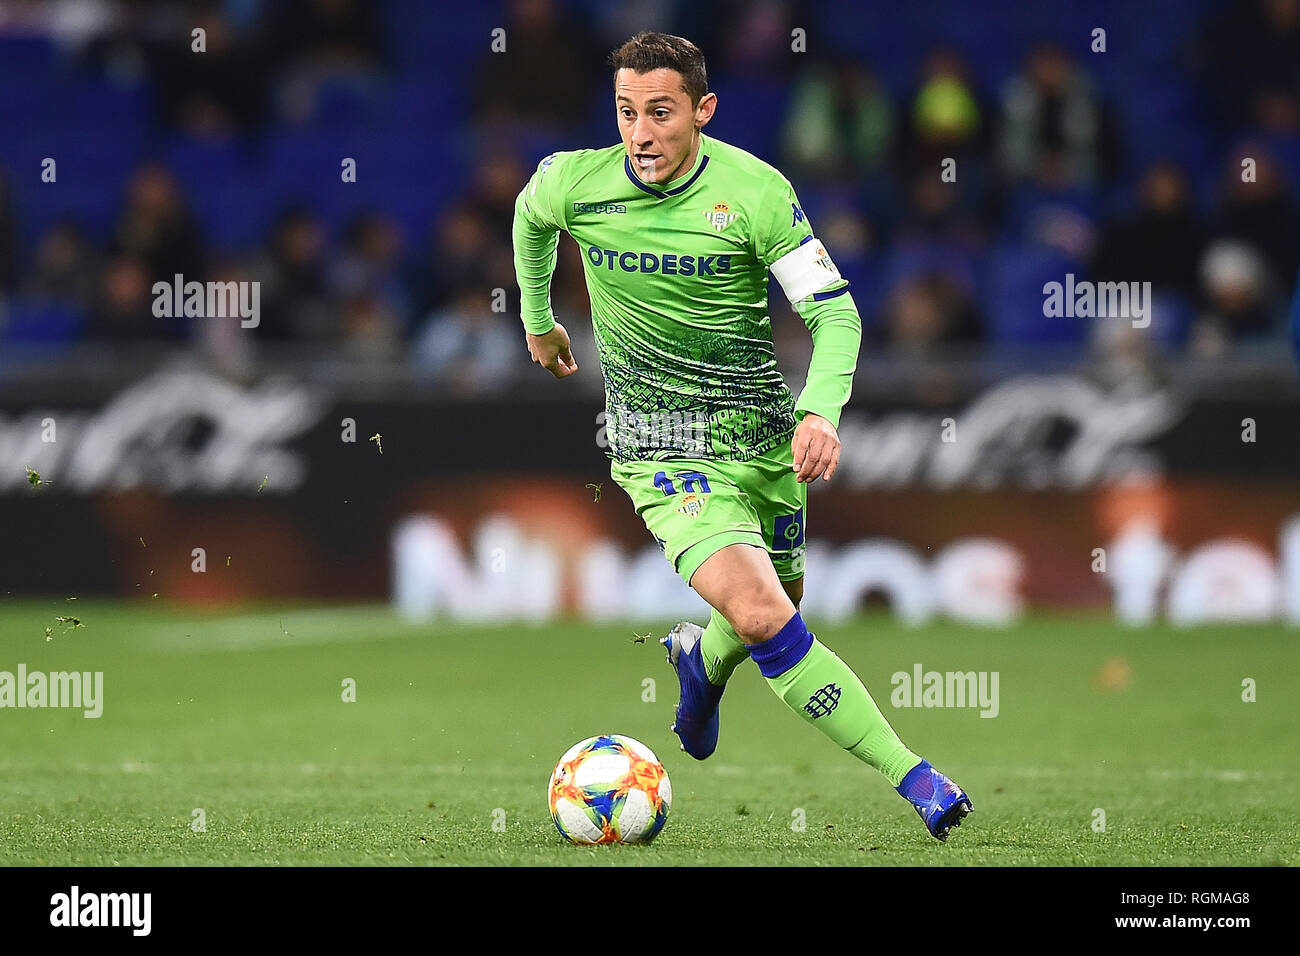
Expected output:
(816, 448)
(551, 351)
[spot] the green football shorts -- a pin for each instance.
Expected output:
(694, 507)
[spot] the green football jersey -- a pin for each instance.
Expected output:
(677, 275)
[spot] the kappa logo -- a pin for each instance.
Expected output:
(720, 216)
(609, 208)
(796, 216)
(823, 701)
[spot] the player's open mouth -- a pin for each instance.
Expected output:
(645, 160)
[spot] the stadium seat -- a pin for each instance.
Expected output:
(1015, 303)
(42, 323)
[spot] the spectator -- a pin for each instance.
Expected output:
(840, 122)
(325, 43)
(1261, 39)
(64, 267)
(750, 39)
(369, 268)
(156, 228)
(1122, 360)
(1054, 131)
(935, 213)
(328, 35)
(1241, 302)
(944, 131)
(545, 77)
(467, 347)
(461, 245)
(1161, 242)
(123, 312)
(295, 300)
(371, 328)
(492, 193)
(935, 236)
(219, 92)
(1262, 213)
(225, 340)
(928, 313)
(473, 243)
(943, 118)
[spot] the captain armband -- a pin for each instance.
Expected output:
(805, 270)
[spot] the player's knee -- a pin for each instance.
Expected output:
(760, 616)
(750, 627)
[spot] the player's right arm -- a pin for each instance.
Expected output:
(539, 217)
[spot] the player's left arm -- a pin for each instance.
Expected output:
(821, 296)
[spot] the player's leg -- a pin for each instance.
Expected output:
(794, 591)
(740, 581)
(780, 525)
(721, 648)
(692, 509)
(781, 503)
(700, 510)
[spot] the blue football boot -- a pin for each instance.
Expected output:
(696, 714)
(940, 802)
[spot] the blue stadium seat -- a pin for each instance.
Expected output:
(1031, 208)
(411, 166)
(749, 115)
(1172, 316)
(910, 259)
(1286, 150)
(42, 323)
(26, 56)
(1014, 308)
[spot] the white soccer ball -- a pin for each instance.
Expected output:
(610, 789)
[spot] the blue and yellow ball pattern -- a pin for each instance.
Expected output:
(610, 789)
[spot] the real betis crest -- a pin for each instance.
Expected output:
(691, 506)
(720, 216)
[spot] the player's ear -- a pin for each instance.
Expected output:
(704, 109)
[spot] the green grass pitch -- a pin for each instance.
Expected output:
(456, 728)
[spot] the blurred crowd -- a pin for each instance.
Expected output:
(1042, 180)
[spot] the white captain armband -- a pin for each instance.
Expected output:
(805, 270)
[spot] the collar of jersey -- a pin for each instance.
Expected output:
(700, 162)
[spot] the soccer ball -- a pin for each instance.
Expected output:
(610, 789)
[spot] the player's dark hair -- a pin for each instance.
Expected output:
(663, 51)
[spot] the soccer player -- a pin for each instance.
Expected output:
(678, 232)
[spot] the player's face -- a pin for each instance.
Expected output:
(660, 127)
